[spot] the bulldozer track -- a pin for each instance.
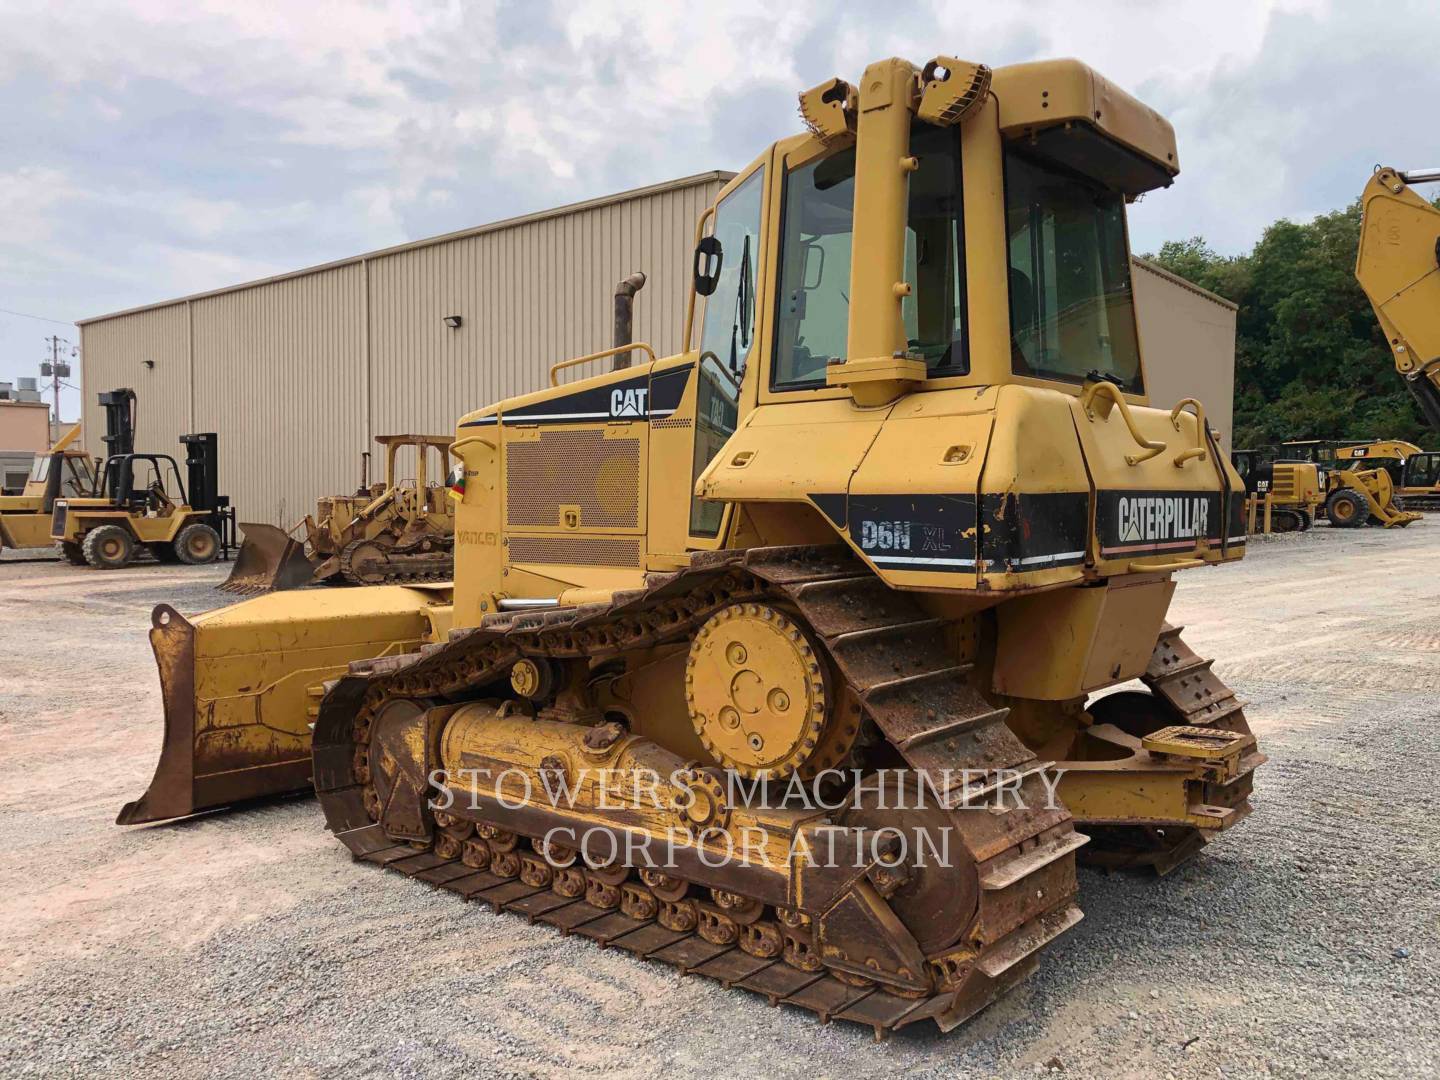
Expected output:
(1198, 698)
(894, 660)
(402, 567)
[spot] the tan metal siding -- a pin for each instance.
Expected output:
(279, 373)
(115, 352)
(528, 297)
(280, 366)
(1188, 338)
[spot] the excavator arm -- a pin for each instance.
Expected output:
(1398, 266)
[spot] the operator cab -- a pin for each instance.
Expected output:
(146, 484)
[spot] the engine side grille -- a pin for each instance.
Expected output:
(573, 468)
(575, 550)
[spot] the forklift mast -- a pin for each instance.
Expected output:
(202, 479)
(119, 437)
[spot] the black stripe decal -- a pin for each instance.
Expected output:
(637, 398)
(929, 533)
(1027, 531)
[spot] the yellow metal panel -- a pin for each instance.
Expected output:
(788, 452)
(923, 470)
(1049, 92)
(1061, 645)
(1035, 494)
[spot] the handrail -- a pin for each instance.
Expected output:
(690, 296)
(1169, 566)
(1199, 452)
(1087, 401)
(629, 346)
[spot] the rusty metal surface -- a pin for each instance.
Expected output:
(269, 558)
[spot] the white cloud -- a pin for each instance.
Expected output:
(153, 149)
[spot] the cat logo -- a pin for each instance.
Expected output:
(628, 402)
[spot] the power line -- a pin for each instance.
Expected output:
(41, 318)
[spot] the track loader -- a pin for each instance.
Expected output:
(1280, 496)
(395, 531)
(740, 639)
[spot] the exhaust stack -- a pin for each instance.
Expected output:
(624, 315)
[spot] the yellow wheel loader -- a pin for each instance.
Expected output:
(777, 660)
(26, 520)
(1415, 473)
(1353, 495)
(398, 531)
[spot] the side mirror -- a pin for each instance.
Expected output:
(708, 259)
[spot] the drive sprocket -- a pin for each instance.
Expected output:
(757, 691)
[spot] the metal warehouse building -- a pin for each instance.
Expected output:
(298, 372)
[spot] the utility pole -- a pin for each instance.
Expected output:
(56, 369)
(55, 375)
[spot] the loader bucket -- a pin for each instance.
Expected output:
(268, 559)
(241, 686)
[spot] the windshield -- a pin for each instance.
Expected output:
(1071, 306)
(729, 326)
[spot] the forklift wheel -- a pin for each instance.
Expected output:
(197, 544)
(108, 548)
(74, 554)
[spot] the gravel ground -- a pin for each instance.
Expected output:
(1305, 943)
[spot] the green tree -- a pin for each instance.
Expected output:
(1310, 361)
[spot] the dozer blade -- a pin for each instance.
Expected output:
(269, 559)
(242, 684)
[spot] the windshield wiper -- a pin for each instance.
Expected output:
(740, 327)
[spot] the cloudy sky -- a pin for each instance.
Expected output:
(152, 149)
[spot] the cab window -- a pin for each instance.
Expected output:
(1071, 306)
(726, 338)
(817, 226)
(818, 219)
(1422, 470)
(729, 327)
(717, 400)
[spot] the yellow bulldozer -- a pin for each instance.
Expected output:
(401, 530)
(62, 472)
(1280, 496)
(740, 639)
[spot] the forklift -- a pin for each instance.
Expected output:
(141, 502)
